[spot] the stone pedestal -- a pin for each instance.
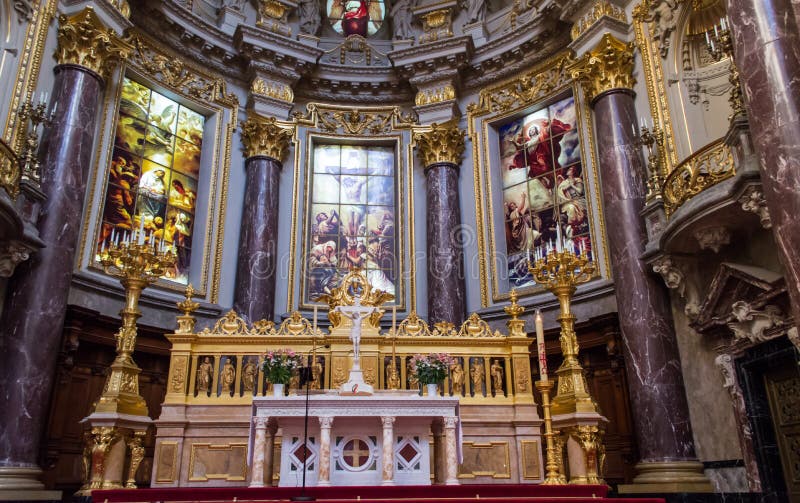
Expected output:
(582, 433)
(765, 39)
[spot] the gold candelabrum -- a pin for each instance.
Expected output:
(32, 116)
(552, 463)
(653, 140)
(720, 46)
(561, 270)
(137, 261)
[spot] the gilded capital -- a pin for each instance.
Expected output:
(264, 136)
(608, 66)
(442, 143)
(85, 41)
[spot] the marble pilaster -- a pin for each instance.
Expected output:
(388, 451)
(663, 430)
(259, 447)
(325, 424)
(266, 143)
(766, 43)
(450, 449)
(441, 150)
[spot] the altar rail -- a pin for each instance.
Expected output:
(221, 365)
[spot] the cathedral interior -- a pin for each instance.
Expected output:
(188, 184)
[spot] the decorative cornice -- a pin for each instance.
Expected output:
(85, 41)
(598, 10)
(442, 143)
(265, 136)
(608, 66)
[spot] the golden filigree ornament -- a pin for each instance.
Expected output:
(266, 136)
(433, 96)
(136, 262)
(516, 326)
(561, 271)
(272, 90)
(703, 169)
(85, 41)
(187, 306)
(442, 143)
(606, 67)
(354, 284)
(598, 10)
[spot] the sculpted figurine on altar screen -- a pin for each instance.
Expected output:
(476, 374)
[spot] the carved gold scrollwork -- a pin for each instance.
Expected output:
(272, 90)
(442, 143)
(599, 10)
(85, 41)
(608, 66)
(705, 168)
(265, 136)
(432, 96)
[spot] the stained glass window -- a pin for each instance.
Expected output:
(356, 17)
(543, 184)
(352, 219)
(153, 175)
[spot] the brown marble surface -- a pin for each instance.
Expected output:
(254, 297)
(33, 317)
(767, 53)
(661, 414)
(446, 288)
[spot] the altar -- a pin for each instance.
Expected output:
(380, 439)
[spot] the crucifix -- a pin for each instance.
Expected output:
(356, 313)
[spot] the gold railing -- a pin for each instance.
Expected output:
(221, 365)
(705, 168)
(9, 169)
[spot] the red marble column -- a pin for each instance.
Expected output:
(767, 52)
(446, 287)
(33, 317)
(653, 365)
(254, 297)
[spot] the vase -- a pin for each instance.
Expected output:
(277, 389)
(432, 391)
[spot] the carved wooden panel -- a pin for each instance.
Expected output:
(783, 392)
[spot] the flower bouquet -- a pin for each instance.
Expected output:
(432, 368)
(279, 364)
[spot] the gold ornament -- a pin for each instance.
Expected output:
(355, 281)
(608, 66)
(272, 90)
(85, 41)
(442, 143)
(265, 136)
(599, 10)
(433, 96)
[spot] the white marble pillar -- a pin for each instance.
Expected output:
(451, 455)
(324, 478)
(388, 450)
(259, 445)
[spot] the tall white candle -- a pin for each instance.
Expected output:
(540, 346)
(315, 320)
(394, 320)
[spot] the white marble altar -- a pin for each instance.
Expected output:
(353, 440)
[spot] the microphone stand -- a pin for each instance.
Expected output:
(308, 373)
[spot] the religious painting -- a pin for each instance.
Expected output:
(352, 219)
(543, 185)
(153, 173)
(356, 17)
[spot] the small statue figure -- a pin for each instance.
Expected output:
(497, 377)
(476, 373)
(249, 376)
(457, 378)
(476, 10)
(228, 377)
(316, 375)
(308, 11)
(413, 380)
(401, 14)
(392, 376)
(294, 381)
(205, 375)
(356, 313)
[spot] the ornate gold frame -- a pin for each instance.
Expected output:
(351, 125)
(498, 102)
(208, 92)
(218, 476)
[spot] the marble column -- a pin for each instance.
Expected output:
(661, 414)
(36, 302)
(266, 143)
(450, 450)
(388, 450)
(259, 449)
(269, 456)
(766, 43)
(441, 149)
(324, 477)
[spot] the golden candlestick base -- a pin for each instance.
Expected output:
(136, 265)
(553, 458)
(561, 272)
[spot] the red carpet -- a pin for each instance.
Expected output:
(490, 493)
